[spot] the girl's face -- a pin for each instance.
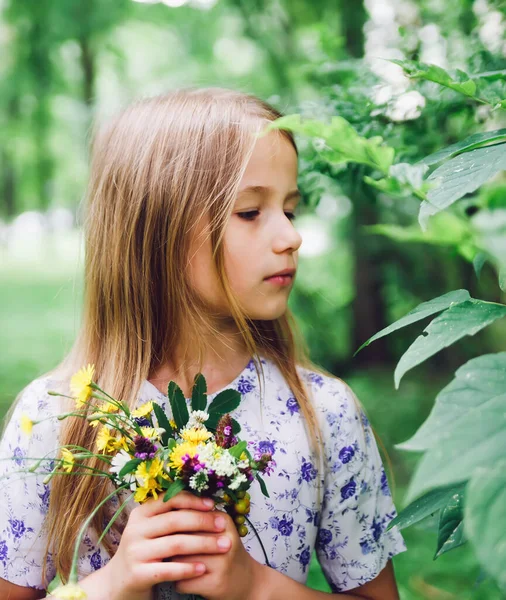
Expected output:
(260, 239)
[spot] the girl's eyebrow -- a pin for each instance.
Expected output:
(265, 190)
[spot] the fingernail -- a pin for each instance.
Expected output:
(224, 542)
(208, 502)
(219, 522)
(200, 568)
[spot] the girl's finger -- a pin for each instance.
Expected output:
(171, 571)
(182, 500)
(183, 521)
(177, 544)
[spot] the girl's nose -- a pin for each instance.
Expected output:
(286, 238)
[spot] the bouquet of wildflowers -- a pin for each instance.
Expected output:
(144, 451)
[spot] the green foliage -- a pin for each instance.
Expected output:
(178, 405)
(224, 402)
(163, 422)
(199, 391)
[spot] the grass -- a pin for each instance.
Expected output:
(39, 317)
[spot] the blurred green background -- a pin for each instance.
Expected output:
(66, 62)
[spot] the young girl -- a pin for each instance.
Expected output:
(191, 254)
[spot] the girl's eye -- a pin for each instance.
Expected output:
(292, 216)
(248, 215)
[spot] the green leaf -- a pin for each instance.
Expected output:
(469, 143)
(425, 506)
(225, 402)
(460, 81)
(461, 175)
(175, 487)
(162, 421)
(475, 383)
(178, 405)
(238, 449)
(130, 466)
(341, 142)
(263, 487)
(485, 518)
(421, 312)
(477, 442)
(212, 423)
(453, 324)
(451, 525)
(199, 391)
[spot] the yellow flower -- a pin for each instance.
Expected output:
(150, 433)
(146, 474)
(172, 423)
(26, 424)
(176, 456)
(105, 441)
(121, 443)
(104, 409)
(195, 435)
(80, 384)
(71, 591)
(144, 410)
(68, 459)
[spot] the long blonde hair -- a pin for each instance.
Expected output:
(156, 168)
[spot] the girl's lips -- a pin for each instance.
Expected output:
(281, 280)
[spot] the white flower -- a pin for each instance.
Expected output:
(117, 463)
(241, 478)
(197, 418)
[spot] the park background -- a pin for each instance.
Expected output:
(65, 63)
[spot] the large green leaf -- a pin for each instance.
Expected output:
(459, 81)
(485, 518)
(174, 488)
(178, 405)
(426, 505)
(163, 421)
(426, 309)
(451, 525)
(225, 402)
(199, 391)
(461, 175)
(453, 324)
(341, 142)
(476, 383)
(469, 143)
(477, 442)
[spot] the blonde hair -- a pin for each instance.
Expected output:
(156, 169)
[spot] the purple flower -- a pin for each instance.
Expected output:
(266, 447)
(96, 560)
(244, 386)
(348, 490)
(324, 537)
(144, 448)
(385, 490)
(142, 421)
(305, 557)
(4, 551)
(316, 378)
(17, 527)
(227, 430)
(346, 454)
(292, 405)
(308, 471)
(18, 456)
(274, 522)
(376, 529)
(44, 498)
(224, 436)
(285, 527)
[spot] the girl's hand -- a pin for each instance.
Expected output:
(233, 575)
(160, 530)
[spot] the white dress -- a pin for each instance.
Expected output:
(347, 530)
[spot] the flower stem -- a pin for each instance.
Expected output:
(258, 537)
(75, 557)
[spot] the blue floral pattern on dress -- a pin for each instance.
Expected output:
(345, 522)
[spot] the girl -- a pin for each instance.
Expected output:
(191, 255)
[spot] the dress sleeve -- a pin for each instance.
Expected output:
(353, 545)
(24, 498)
